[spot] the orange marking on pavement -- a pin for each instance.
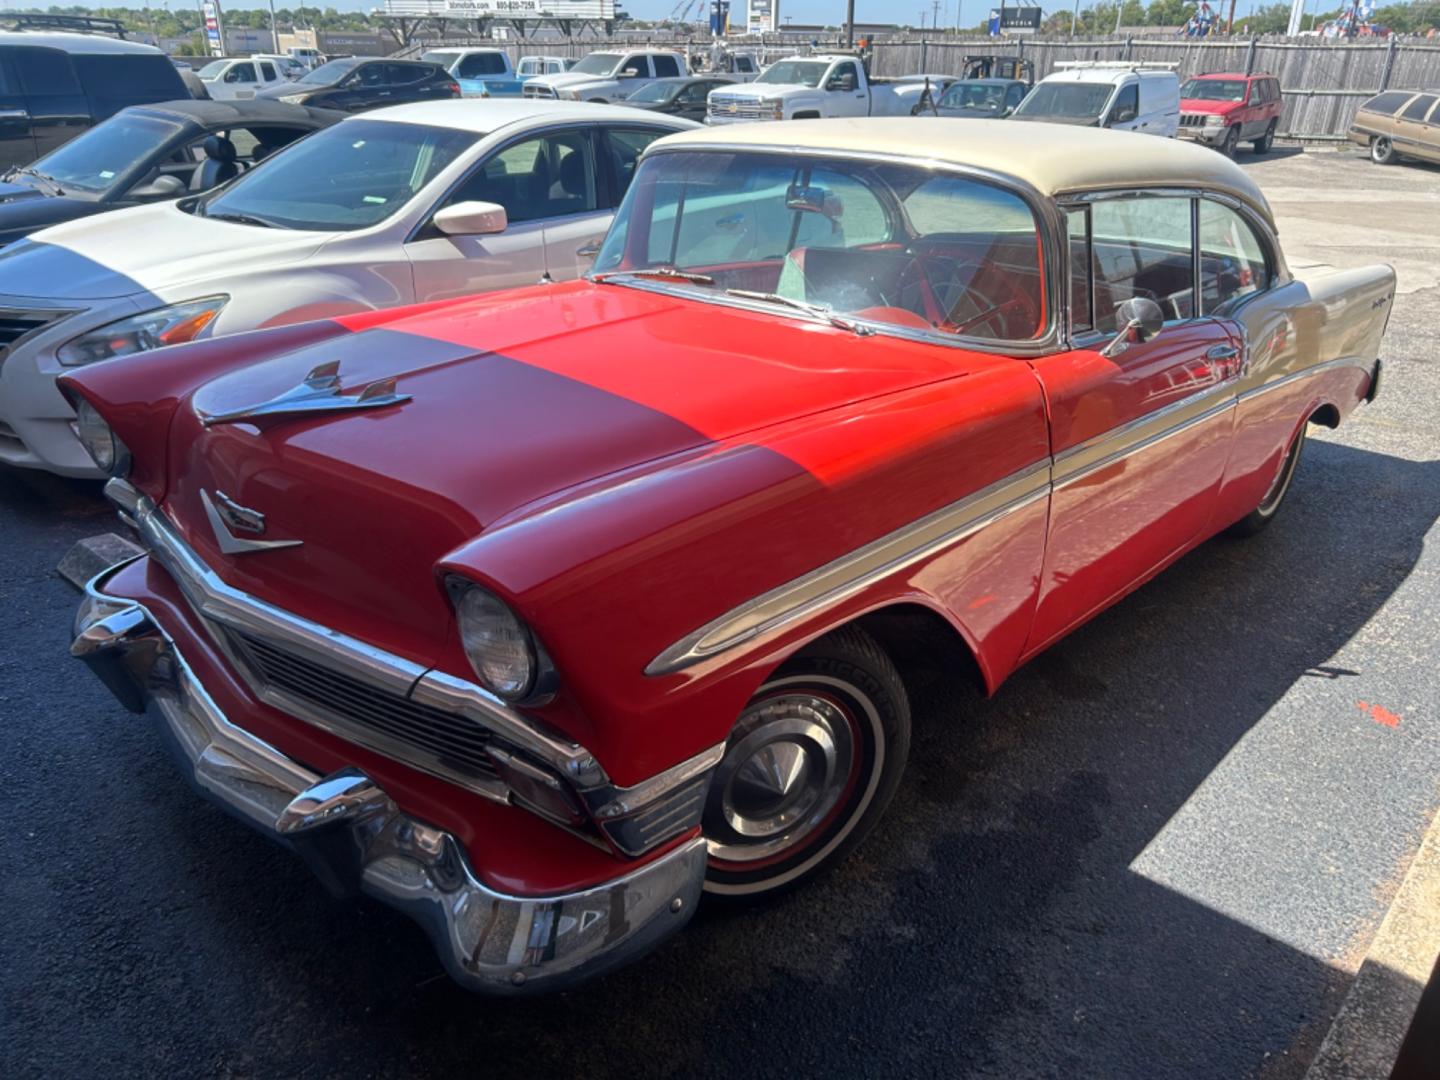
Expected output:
(1379, 714)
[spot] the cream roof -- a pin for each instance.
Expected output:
(1052, 158)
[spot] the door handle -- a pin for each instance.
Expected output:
(1228, 359)
(1222, 352)
(589, 251)
(14, 114)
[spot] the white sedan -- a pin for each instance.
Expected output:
(396, 206)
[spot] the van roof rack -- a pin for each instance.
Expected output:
(1121, 65)
(84, 24)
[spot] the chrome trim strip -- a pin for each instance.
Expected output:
(843, 577)
(226, 606)
(1313, 369)
(1082, 471)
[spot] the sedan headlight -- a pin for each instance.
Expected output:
(165, 326)
(107, 451)
(1214, 120)
(500, 647)
(570, 95)
(293, 99)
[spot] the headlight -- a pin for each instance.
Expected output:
(780, 110)
(108, 452)
(499, 646)
(1214, 120)
(293, 99)
(166, 326)
(570, 95)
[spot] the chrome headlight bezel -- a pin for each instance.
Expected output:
(173, 324)
(489, 628)
(110, 454)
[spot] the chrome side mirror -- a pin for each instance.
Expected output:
(1139, 319)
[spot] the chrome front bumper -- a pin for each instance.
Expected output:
(356, 839)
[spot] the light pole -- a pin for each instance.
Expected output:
(849, 24)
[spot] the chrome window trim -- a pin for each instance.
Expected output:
(1049, 226)
(842, 578)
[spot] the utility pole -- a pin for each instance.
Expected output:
(1120, 10)
(849, 24)
(1230, 22)
(274, 30)
(1074, 17)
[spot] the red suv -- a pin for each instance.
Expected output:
(1225, 110)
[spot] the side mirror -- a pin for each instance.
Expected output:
(630, 73)
(1139, 319)
(161, 187)
(474, 219)
(1122, 116)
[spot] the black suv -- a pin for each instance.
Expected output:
(53, 86)
(357, 83)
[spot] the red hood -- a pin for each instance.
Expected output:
(514, 396)
(1199, 105)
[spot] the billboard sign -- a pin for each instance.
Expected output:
(762, 16)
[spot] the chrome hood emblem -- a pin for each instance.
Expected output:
(319, 393)
(227, 517)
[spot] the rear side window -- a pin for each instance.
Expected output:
(478, 64)
(666, 67)
(267, 72)
(116, 81)
(1418, 108)
(1386, 103)
(401, 74)
(46, 72)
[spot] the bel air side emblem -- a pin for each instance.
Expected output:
(227, 518)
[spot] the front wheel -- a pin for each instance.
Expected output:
(1262, 145)
(1382, 151)
(1231, 141)
(809, 767)
(1269, 506)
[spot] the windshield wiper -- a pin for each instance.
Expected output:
(239, 219)
(655, 271)
(53, 184)
(823, 311)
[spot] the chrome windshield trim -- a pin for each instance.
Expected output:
(842, 578)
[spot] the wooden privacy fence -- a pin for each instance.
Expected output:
(1324, 82)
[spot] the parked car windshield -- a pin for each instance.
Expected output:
(902, 247)
(988, 97)
(1214, 89)
(351, 176)
(1076, 101)
(795, 73)
(213, 69)
(655, 93)
(332, 72)
(597, 63)
(94, 161)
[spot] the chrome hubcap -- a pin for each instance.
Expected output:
(786, 767)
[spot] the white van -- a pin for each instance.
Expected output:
(1125, 96)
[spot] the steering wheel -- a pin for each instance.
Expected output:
(959, 279)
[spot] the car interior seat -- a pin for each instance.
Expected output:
(219, 164)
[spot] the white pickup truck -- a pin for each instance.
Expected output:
(811, 87)
(605, 77)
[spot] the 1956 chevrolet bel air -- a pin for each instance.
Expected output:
(537, 614)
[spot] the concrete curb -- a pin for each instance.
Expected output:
(93, 554)
(1365, 1037)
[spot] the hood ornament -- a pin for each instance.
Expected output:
(319, 393)
(227, 517)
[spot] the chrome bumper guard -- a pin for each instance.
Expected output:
(356, 839)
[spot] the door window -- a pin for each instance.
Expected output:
(46, 72)
(696, 93)
(401, 74)
(624, 146)
(1417, 109)
(637, 67)
(267, 72)
(1141, 247)
(1232, 259)
(1077, 244)
(845, 77)
(666, 67)
(1127, 105)
(548, 177)
(240, 73)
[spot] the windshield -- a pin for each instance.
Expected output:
(93, 161)
(655, 93)
(213, 69)
(332, 72)
(1214, 90)
(972, 95)
(902, 247)
(795, 73)
(1078, 101)
(351, 176)
(437, 56)
(597, 63)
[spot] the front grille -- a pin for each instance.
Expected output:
(741, 109)
(18, 323)
(1192, 119)
(368, 714)
(533, 91)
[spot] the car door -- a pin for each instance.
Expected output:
(17, 141)
(524, 177)
(1411, 127)
(269, 76)
(1140, 438)
(690, 102)
(846, 93)
(240, 81)
(55, 100)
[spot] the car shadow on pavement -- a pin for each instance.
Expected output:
(1009, 917)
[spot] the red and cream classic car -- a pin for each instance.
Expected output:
(538, 614)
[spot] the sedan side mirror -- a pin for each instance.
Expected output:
(473, 219)
(161, 187)
(1139, 319)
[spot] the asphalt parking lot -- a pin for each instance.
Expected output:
(1159, 851)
